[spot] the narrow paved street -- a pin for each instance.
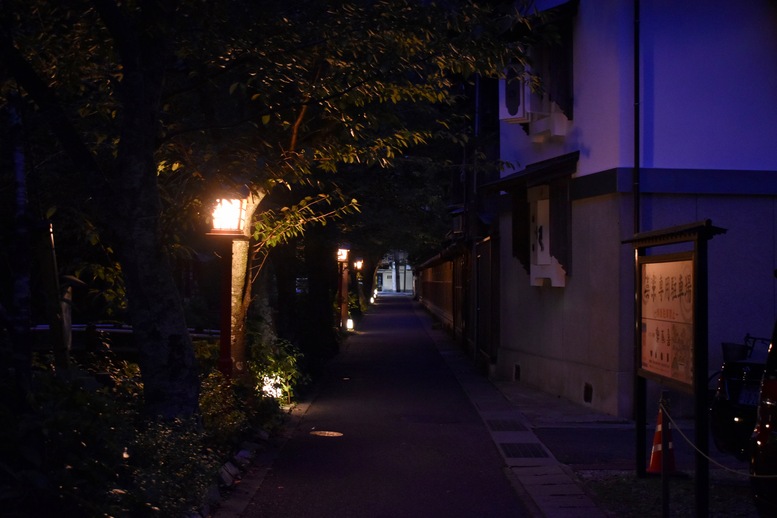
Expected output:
(390, 433)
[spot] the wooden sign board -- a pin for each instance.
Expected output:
(667, 293)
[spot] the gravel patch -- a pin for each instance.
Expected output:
(622, 494)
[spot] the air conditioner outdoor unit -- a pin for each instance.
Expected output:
(517, 101)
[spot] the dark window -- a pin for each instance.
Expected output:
(555, 173)
(553, 58)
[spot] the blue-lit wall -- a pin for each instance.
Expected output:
(707, 150)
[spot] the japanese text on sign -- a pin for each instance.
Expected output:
(667, 319)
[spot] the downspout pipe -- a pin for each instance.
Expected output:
(635, 180)
(640, 384)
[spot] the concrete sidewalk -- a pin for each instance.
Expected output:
(550, 484)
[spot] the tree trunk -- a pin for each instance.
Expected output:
(20, 260)
(167, 363)
(285, 264)
(132, 208)
(240, 300)
(240, 290)
(319, 339)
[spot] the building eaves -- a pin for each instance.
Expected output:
(537, 173)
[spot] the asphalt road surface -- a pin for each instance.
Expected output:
(390, 433)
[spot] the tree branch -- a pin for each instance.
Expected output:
(47, 101)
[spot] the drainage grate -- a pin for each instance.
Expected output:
(431, 419)
(506, 425)
(513, 450)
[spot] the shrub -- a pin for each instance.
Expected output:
(84, 449)
(65, 452)
(171, 468)
(223, 416)
(276, 369)
(233, 410)
(207, 354)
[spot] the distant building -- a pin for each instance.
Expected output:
(394, 274)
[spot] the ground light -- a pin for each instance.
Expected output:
(326, 433)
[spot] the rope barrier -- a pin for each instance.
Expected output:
(710, 459)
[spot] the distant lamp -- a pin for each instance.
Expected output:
(342, 288)
(349, 324)
(230, 217)
(358, 265)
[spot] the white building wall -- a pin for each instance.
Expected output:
(602, 128)
(708, 85)
(392, 282)
(709, 72)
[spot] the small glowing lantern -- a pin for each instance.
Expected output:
(349, 324)
(358, 264)
(342, 255)
(230, 216)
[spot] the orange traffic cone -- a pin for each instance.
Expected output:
(657, 457)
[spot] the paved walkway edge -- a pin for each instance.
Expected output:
(550, 486)
(234, 504)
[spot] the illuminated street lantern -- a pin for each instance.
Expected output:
(230, 217)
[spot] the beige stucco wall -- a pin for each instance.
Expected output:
(567, 339)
